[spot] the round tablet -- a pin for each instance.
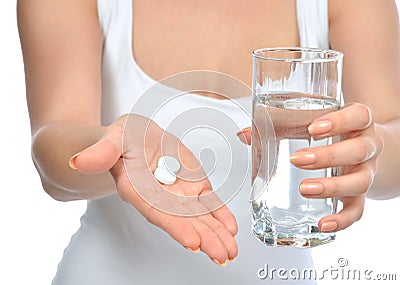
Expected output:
(170, 163)
(164, 176)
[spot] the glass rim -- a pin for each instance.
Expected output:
(334, 55)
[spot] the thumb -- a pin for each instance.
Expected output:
(102, 155)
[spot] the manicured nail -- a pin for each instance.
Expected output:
(320, 127)
(311, 188)
(241, 135)
(329, 226)
(71, 161)
(245, 130)
(219, 263)
(302, 158)
(193, 250)
(242, 138)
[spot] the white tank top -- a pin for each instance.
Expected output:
(115, 245)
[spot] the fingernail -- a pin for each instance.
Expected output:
(241, 135)
(320, 127)
(71, 161)
(302, 158)
(219, 263)
(311, 188)
(329, 226)
(232, 259)
(193, 250)
(245, 130)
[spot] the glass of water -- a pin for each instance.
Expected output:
(291, 88)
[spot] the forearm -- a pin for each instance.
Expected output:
(52, 147)
(387, 180)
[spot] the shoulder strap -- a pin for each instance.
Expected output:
(313, 24)
(105, 9)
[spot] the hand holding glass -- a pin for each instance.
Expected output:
(291, 88)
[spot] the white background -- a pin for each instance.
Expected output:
(34, 229)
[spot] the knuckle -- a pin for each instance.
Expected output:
(334, 187)
(349, 220)
(354, 217)
(373, 169)
(365, 114)
(379, 145)
(359, 213)
(345, 220)
(366, 181)
(340, 120)
(330, 155)
(363, 151)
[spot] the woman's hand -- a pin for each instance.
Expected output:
(188, 210)
(357, 153)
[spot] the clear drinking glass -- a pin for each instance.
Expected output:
(291, 88)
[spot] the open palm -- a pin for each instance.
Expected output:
(188, 210)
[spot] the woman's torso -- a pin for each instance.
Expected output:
(115, 244)
(176, 36)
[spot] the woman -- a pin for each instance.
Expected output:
(86, 62)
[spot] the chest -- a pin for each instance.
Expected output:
(172, 36)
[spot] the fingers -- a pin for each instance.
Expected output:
(202, 232)
(215, 240)
(348, 152)
(210, 243)
(225, 216)
(222, 223)
(179, 228)
(356, 183)
(353, 208)
(357, 153)
(218, 210)
(216, 229)
(100, 156)
(351, 118)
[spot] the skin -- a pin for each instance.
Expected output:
(78, 158)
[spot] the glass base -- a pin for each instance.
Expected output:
(304, 240)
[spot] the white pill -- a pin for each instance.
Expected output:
(170, 163)
(164, 176)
